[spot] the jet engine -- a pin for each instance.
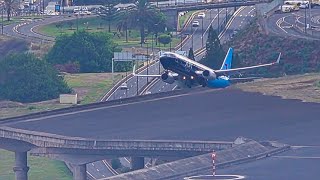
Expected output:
(209, 75)
(167, 77)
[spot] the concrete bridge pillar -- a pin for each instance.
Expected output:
(80, 172)
(137, 163)
(21, 166)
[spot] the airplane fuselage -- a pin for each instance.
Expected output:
(188, 70)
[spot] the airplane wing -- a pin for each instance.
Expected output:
(227, 72)
(144, 75)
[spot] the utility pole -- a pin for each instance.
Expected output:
(2, 20)
(218, 21)
(147, 63)
(305, 20)
(226, 15)
(202, 32)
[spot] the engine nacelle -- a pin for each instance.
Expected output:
(209, 75)
(168, 78)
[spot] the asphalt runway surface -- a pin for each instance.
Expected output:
(200, 115)
(297, 164)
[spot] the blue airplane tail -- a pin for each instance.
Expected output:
(227, 60)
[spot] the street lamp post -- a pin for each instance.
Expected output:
(192, 37)
(218, 21)
(202, 32)
(137, 81)
(226, 15)
(181, 42)
(147, 63)
(2, 20)
(305, 20)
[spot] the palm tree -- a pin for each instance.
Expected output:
(123, 22)
(9, 4)
(108, 12)
(145, 17)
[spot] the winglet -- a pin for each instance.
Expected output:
(278, 60)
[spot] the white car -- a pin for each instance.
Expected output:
(201, 15)
(195, 24)
(124, 86)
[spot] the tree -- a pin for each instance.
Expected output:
(25, 78)
(93, 51)
(115, 163)
(164, 39)
(144, 16)
(9, 5)
(108, 12)
(214, 52)
(123, 22)
(191, 54)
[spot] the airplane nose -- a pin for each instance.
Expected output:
(165, 61)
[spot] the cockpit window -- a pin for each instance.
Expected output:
(171, 55)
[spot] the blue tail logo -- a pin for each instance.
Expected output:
(227, 60)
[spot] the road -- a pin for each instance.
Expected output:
(26, 29)
(293, 24)
(244, 17)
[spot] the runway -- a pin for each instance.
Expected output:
(206, 115)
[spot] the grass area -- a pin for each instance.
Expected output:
(305, 87)
(40, 168)
(90, 87)
(183, 19)
(96, 24)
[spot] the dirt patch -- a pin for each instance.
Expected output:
(304, 87)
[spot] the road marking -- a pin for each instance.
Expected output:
(114, 172)
(92, 164)
(306, 146)
(225, 177)
(174, 87)
(91, 175)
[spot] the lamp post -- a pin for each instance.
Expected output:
(147, 63)
(218, 21)
(2, 20)
(202, 32)
(305, 20)
(226, 15)
(192, 37)
(77, 15)
(181, 42)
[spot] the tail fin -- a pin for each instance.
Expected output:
(227, 60)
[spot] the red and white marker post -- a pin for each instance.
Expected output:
(213, 163)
